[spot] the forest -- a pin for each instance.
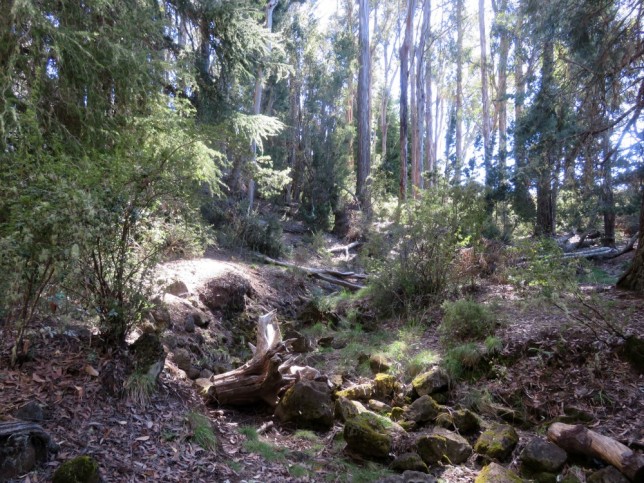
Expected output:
(322, 240)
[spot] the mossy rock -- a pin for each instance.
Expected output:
(422, 410)
(397, 413)
(371, 435)
(383, 385)
(462, 420)
(379, 363)
(495, 473)
(543, 477)
(347, 409)
(308, 404)
(609, 474)
(359, 391)
(498, 442)
(443, 446)
(83, 469)
(431, 382)
(149, 355)
(409, 462)
(542, 456)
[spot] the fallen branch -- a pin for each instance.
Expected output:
(328, 275)
(591, 253)
(346, 248)
(578, 439)
(629, 246)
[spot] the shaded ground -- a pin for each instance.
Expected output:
(550, 367)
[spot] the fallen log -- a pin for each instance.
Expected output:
(23, 446)
(580, 440)
(591, 253)
(328, 275)
(627, 248)
(346, 248)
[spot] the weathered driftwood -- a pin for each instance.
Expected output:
(328, 275)
(580, 440)
(23, 445)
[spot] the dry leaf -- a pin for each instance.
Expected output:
(91, 371)
(37, 378)
(142, 438)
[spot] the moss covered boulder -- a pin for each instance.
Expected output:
(609, 474)
(83, 469)
(495, 473)
(431, 382)
(443, 446)
(359, 391)
(383, 385)
(409, 462)
(541, 456)
(371, 435)
(347, 409)
(379, 363)
(308, 404)
(498, 442)
(422, 410)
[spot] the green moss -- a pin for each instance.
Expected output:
(497, 442)
(384, 384)
(361, 391)
(368, 434)
(494, 473)
(83, 469)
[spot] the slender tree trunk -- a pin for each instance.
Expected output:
(364, 126)
(415, 133)
(607, 198)
(545, 224)
(485, 105)
(257, 102)
(458, 165)
(633, 278)
(404, 80)
(430, 157)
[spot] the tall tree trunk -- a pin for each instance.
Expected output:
(404, 81)
(607, 198)
(430, 157)
(364, 127)
(458, 165)
(415, 133)
(294, 159)
(485, 105)
(545, 224)
(633, 278)
(257, 102)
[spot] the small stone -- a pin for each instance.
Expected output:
(443, 446)
(336, 380)
(379, 406)
(543, 456)
(608, 474)
(177, 288)
(431, 382)
(32, 411)
(465, 421)
(495, 473)
(409, 461)
(379, 363)
(83, 469)
(189, 325)
(205, 374)
(200, 321)
(299, 343)
(193, 372)
(397, 413)
(409, 477)
(181, 358)
(325, 341)
(498, 442)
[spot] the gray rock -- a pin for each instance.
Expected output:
(193, 372)
(379, 363)
(409, 477)
(431, 382)
(495, 473)
(177, 288)
(543, 456)
(443, 446)
(227, 293)
(308, 404)
(32, 411)
(607, 475)
(181, 358)
(409, 462)
(346, 408)
(149, 355)
(379, 406)
(498, 442)
(200, 320)
(371, 435)
(422, 410)
(189, 325)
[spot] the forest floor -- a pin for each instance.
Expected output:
(551, 366)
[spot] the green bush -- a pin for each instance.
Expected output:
(465, 321)
(419, 268)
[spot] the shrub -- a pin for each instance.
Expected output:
(423, 246)
(465, 321)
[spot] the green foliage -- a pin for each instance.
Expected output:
(465, 321)
(202, 432)
(139, 388)
(463, 359)
(419, 268)
(254, 444)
